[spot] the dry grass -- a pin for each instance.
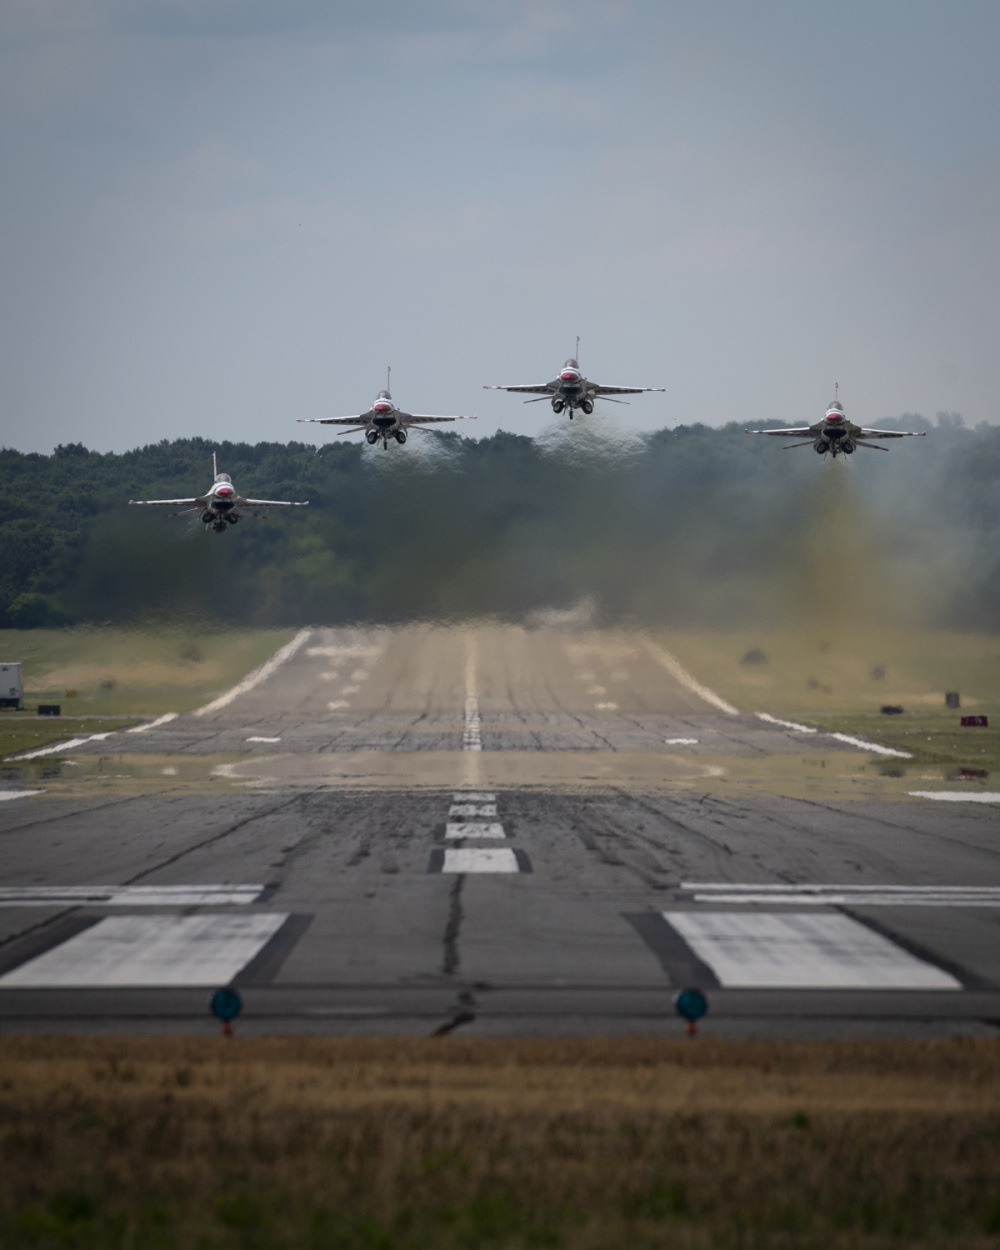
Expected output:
(588, 1144)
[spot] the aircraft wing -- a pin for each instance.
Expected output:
(362, 417)
(407, 417)
(174, 503)
(270, 503)
(862, 433)
(546, 388)
(621, 390)
(798, 431)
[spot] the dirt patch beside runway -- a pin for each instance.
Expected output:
(452, 1143)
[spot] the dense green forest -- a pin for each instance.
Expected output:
(691, 525)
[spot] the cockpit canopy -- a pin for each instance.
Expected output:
(223, 477)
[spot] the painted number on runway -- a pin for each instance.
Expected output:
(802, 951)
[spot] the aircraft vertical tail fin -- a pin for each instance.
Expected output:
(215, 467)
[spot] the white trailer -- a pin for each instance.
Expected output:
(11, 691)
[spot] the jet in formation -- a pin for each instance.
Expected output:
(221, 505)
(572, 390)
(383, 420)
(836, 435)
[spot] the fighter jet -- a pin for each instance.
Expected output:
(572, 390)
(221, 505)
(835, 434)
(383, 420)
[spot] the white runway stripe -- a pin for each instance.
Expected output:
(127, 895)
(680, 674)
(847, 895)
(259, 674)
(470, 829)
(57, 747)
(786, 724)
(956, 796)
(18, 794)
(153, 724)
(794, 951)
(480, 859)
(150, 951)
(472, 809)
(473, 796)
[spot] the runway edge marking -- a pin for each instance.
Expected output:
(680, 674)
(259, 674)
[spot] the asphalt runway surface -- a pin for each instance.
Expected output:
(499, 831)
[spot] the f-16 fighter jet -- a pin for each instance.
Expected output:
(383, 420)
(221, 505)
(835, 434)
(572, 390)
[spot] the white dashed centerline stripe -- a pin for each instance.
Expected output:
(255, 739)
(755, 950)
(470, 829)
(471, 740)
(150, 951)
(480, 859)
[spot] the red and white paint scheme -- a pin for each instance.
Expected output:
(836, 435)
(221, 505)
(571, 390)
(383, 420)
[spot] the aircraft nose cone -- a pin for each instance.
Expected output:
(569, 375)
(383, 408)
(224, 490)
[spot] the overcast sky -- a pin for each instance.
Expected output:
(221, 215)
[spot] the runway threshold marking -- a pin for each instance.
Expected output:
(150, 951)
(471, 739)
(802, 951)
(472, 809)
(845, 895)
(128, 895)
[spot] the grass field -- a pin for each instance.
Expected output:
(840, 681)
(590, 1145)
(123, 673)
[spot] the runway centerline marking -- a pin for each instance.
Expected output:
(139, 951)
(256, 739)
(469, 829)
(480, 859)
(845, 895)
(758, 950)
(681, 742)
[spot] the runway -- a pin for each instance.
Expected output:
(498, 830)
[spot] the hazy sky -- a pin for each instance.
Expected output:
(221, 215)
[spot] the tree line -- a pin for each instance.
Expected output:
(686, 526)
